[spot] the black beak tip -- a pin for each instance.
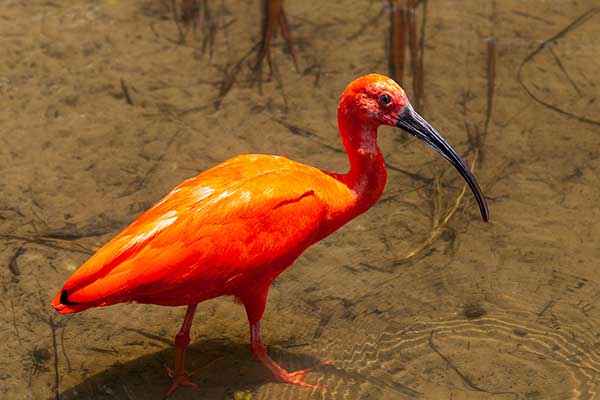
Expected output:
(481, 202)
(485, 214)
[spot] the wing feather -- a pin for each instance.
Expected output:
(250, 216)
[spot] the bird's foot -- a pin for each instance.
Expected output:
(179, 379)
(295, 378)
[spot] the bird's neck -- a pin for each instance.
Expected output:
(367, 175)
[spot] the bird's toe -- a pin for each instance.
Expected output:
(179, 379)
(295, 378)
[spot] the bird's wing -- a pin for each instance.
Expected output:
(249, 212)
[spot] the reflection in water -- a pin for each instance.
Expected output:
(107, 108)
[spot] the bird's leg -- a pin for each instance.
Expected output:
(255, 302)
(179, 375)
(260, 352)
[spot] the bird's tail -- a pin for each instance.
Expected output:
(62, 304)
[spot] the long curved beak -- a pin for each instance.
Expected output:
(410, 121)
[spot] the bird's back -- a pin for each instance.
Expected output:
(237, 224)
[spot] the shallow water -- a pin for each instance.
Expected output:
(504, 310)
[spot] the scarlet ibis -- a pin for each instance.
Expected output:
(235, 227)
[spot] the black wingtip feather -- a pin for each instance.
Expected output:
(64, 299)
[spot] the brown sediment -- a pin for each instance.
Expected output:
(370, 22)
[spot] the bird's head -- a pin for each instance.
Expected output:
(374, 100)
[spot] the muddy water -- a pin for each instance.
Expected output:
(504, 310)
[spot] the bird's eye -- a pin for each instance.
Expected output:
(385, 99)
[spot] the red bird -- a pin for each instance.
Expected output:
(234, 228)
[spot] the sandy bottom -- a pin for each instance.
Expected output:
(505, 310)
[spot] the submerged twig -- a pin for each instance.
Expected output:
(55, 348)
(564, 71)
(421, 78)
(53, 242)
(37, 358)
(367, 24)
(190, 12)
(399, 35)
(125, 91)
(274, 18)
(209, 28)
(548, 42)
(230, 77)
(13, 266)
(62, 343)
(14, 320)
(440, 219)
(469, 384)
(413, 46)
(403, 37)
(466, 380)
(491, 80)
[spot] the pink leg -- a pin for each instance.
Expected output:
(255, 307)
(179, 375)
(260, 352)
